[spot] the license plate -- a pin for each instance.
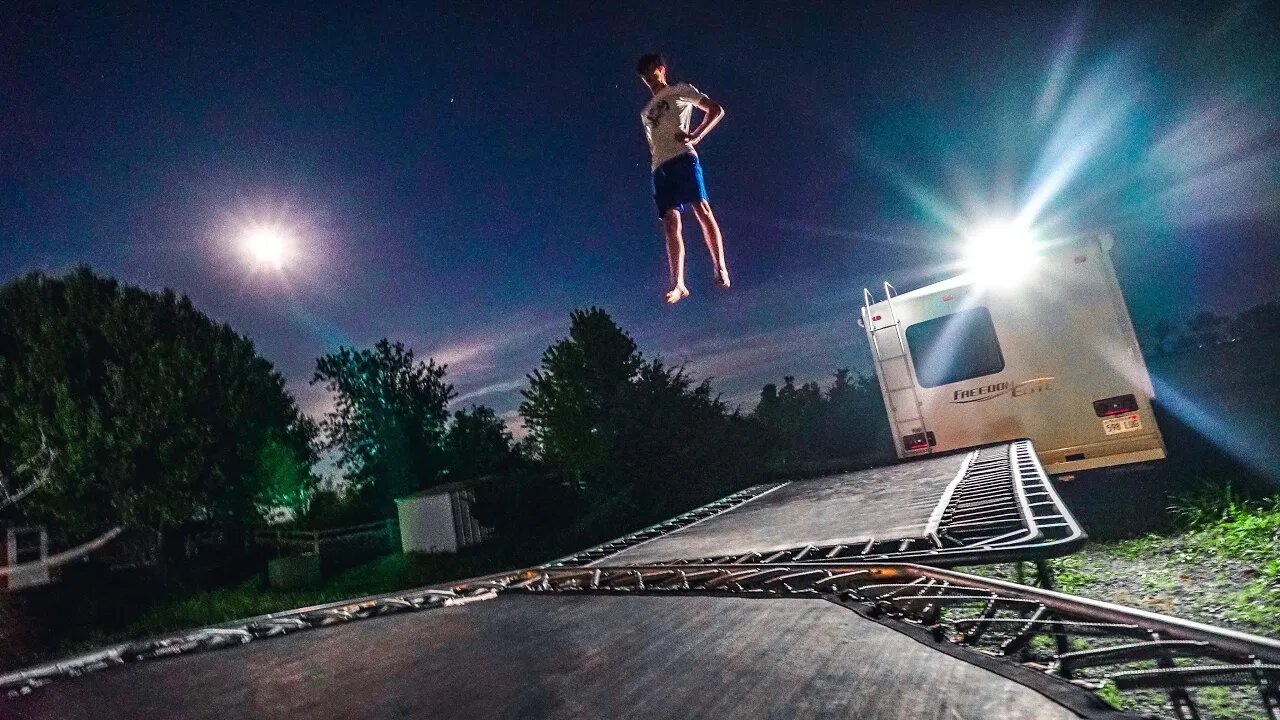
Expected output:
(1121, 424)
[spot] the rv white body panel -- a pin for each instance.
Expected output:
(1028, 360)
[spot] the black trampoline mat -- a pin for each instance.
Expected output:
(892, 502)
(581, 656)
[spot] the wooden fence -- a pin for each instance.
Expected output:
(315, 540)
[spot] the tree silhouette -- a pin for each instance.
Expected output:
(803, 424)
(1205, 327)
(389, 423)
(478, 444)
(157, 415)
(632, 439)
(1163, 330)
(1260, 321)
(581, 386)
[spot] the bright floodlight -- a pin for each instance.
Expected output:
(267, 246)
(1000, 253)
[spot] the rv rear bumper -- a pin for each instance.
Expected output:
(1103, 454)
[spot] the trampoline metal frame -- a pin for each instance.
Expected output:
(1004, 627)
(1085, 642)
(1000, 508)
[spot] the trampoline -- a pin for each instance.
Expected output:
(990, 505)
(783, 600)
(806, 641)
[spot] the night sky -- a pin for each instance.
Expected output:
(460, 177)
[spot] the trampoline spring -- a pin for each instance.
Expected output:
(727, 577)
(841, 577)
(1023, 636)
(782, 579)
(980, 625)
(776, 555)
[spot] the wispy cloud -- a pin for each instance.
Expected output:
(469, 354)
(505, 386)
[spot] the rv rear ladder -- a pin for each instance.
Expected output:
(895, 362)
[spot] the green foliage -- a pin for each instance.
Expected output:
(285, 477)
(582, 384)
(389, 424)
(1226, 525)
(624, 440)
(803, 424)
(329, 508)
(157, 416)
(1072, 575)
(478, 444)
(1113, 696)
(678, 447)
(1208, 505)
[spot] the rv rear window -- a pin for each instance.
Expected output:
(955, 347)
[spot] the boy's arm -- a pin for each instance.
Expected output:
(712, 114)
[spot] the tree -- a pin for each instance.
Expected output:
(1262, 321)
(583, 381)
(1205, 327)
(1163, 330)
(855, 424)
(791, 418)
(679, 447)
(287, 480)
(627, 440)
(389, 423)
(478, 444)
(156, 415)
(803, 424)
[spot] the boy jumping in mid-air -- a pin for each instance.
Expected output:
(677, 174)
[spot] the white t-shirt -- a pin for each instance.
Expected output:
(667, 114)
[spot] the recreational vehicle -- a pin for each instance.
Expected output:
(1052, 358)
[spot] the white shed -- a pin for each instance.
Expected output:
(438, 520)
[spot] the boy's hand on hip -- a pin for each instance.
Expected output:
(686, 138)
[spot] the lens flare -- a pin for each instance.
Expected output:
(267, 245)
(1001, 253)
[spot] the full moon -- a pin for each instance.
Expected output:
(267, 246)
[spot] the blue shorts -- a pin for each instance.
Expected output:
(677, 183)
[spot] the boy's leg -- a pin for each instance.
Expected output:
(715, 241)
(675, 255)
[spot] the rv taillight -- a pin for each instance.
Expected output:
(1079, 259)
(1118, 405)
(875, 318)
(916, 441)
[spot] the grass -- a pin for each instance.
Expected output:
(1243, 537)
(1216, 561)
(254, 597)
(1114, 697)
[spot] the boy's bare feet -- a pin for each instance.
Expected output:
(676, 294)
(722, 278)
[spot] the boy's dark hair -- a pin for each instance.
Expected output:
(649, 61)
